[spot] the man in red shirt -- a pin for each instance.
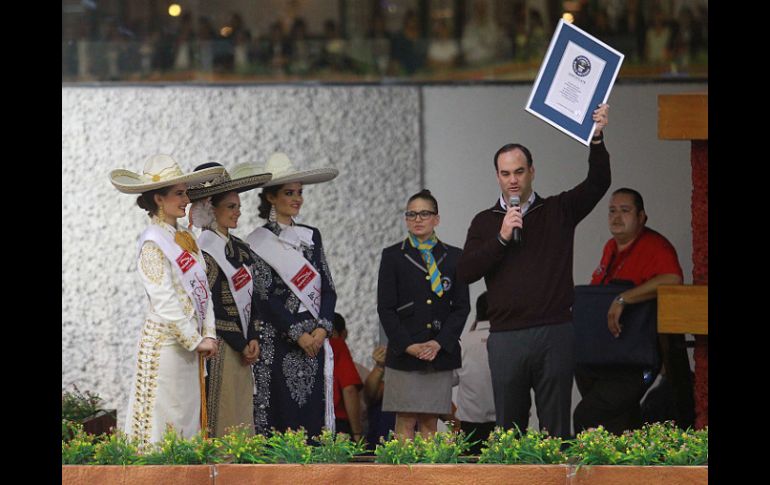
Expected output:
(347, 382)
(642, 256)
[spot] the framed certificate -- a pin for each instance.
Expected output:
(577, 75)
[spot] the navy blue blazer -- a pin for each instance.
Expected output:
(410, 312)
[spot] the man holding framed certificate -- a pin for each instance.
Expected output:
(522, 246)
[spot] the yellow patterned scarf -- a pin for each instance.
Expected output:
(427, 255)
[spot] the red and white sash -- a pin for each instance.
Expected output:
(190, 271)
(239, 279)
(283, 255)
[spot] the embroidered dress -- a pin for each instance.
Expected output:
(166, 385)
(229, 383)
(290, 386)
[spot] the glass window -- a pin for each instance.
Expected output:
(367, 40)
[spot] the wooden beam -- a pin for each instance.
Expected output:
(683, 309)
(683, 116)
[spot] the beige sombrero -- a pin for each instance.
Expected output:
(284, 172)
(225, 183)
(159, 171)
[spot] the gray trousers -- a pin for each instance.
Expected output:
(539, 358)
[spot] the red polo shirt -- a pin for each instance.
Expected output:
(345, 374)
(649, 255)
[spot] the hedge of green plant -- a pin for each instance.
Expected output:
(654, 444)
(77, 405)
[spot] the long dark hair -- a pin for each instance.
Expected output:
(147, 200)
(264, 204)
(217, 198)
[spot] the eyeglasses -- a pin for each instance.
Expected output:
(412, 215)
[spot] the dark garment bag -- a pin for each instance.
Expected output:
(595, 345)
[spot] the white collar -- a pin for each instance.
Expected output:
(165, 225)
(524, 207)
(224, 236)
(295, 235)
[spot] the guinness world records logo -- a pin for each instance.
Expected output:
(581, 66)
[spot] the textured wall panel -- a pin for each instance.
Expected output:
(371, 134)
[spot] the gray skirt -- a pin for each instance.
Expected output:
(427, 392)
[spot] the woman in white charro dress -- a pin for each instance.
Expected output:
(178, 331)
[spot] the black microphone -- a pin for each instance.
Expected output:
(514, 202)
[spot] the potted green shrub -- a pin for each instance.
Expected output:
(86, 408)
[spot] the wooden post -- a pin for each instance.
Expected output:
(685, 117)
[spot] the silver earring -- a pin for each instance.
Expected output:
(272, 217)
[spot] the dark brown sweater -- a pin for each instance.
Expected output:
(530, 284)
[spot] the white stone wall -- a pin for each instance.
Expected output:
(371, 134)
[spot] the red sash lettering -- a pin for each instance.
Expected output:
(241, 278)
(304, 276)
(185, 261)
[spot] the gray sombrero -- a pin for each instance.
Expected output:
(159, 171)
(225, 182)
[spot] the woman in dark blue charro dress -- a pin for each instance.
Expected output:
(296, 298)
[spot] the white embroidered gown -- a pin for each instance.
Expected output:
(166, 386)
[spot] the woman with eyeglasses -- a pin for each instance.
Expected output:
(422, 307)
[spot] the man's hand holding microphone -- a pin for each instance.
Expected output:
(513, 221)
